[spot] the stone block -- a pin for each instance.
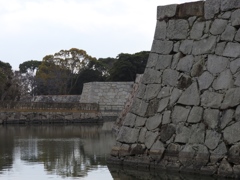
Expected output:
(190, 9)
(166, 117)
(151, 76)
(140, 121)
(232, 98)
(211, 99)
(217, 64)
(198, 67)
(232, 50)
(220, 48)
(237, 36)
(170, 77)
(235, 65)
(152, 107)
(163, 62)
(161, 30)
(234, 154)
(141, 91)
(154, 122)
(167, 131)
(229, 33)
(225, 169)
(211, 118)
(137, 149)
(190, 96)
(186, 46)
(152, 60)
(205, 80)
(227, 117)
(162, 47)
(150, 138)
(231, 134)
(228, 5)
(218, 26)
(185, 63)
(157, 150)
(237, 113)
(142, 134)
(139, 107)
(128, 135)
(211, 8)
(235, 18)
(197, 30)
(176, 93)
(152, 91)
(218, 153)
(197, 134)
(184, 81)
(177, 29)
(180, 114)
(166, 11)
(224, 80)
(130, 120)
(195, 115)
(163, 103)
(204, 46)
(165, 92)
(212, 139)
(182, 134)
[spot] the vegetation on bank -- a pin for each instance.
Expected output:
(65, 72)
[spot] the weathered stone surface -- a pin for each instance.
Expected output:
(235, 65)
(236, 171)
(141, 91)
(212, 139)
(139, 107)
(211, 99)
(163, 103)
(218, 153)
(225, 169)
(220, 48)
(182, 134)
(237, 80)
(177, 29)
(232, 98)
(225, 15)
(185, 63)
(224, 80)
(186, 46)
(195, 115)
(166, 117)
(198, 67)
(237, 36)
(152, 91)
(128, 135)
(157, 150)
(231, 134)
(197, 30)
(142, 134)
(161, 30)
(170, 77)
(137, 149)
(204, 46)
(190, 96)
(191, 20)
(151, 76)
(140, 121)
(176, 93)
(164, 61)
(162, 47)
(211, 7)
(227, 5)
(165, 92)
(218, 26)
(228, 34)
(197, 134)
(167, 132)
(190, 9)
(184, 81)
(227, 117)
(176, 59)
(180, 114)
(217, 64)
(152, 107)
(154, 122)
(234, 154)
(124, 150)
(232, 50)
(211, 118)
(130, 120)
(237, 113)
(235, 18)
(205, 80)
(150, 138)
(166, 11)
(152, 60)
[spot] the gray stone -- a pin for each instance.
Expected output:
(186, 10)
(237, 80)
(231, 134)
(198, 67)
(211, 118)
(237, 36)
(130, 120)
(141, 90)
(162, 47)
(211, 7)
(137, 149)
(167, 131)
(212, 139)
(236, 171)
(161, 30)
(165, 92)
(140, 121)
(227, 117)
(170, 77)
(157, 150)
(191, 20)
(177, 29)
(228, 5)
(224, 80)
(152, 91)
(235, 65)
(218, 26)
(217, 64)
(211, 99)
(190, 96)
(180, 114)
(197, 30)
(182, 134)
(228, 34)
(152, 107)
(237, 113)
(220, 48)
(176, 46)
(218, 153)
(128, 135)
(152, 60)
(176, 93)
(184, 81)
(164, 61)
(166, 117)
(176, 59)
(235, 18)
(197, 134)
(207, 26)
(205, 80)
(234, 154)
(225, 15)
(225, 169)
(142, 134)
(186, 46)
(139, 107)
(185, 63)
(163, 103)
(232, 50)
(124, 150)
(151, 76)
(195, 115)
(232, 98)
(150, 139)
(166, 11)
(204, 46)
(154, 122)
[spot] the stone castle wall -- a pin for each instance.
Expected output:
(186, 113)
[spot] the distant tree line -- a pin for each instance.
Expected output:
(65, 72)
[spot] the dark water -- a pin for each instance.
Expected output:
(65, 152)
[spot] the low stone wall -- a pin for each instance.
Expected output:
(186, 114)
(57, 98)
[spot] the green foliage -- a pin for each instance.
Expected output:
(29, 66)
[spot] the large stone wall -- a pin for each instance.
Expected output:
(186, 114)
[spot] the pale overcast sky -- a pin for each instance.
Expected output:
(31, 29)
